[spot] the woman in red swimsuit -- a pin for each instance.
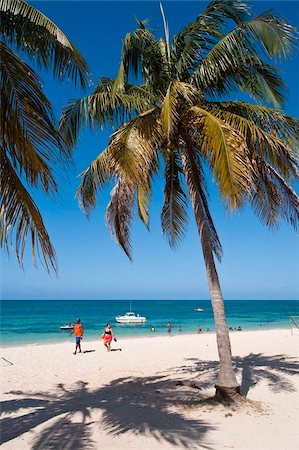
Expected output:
(108, 336)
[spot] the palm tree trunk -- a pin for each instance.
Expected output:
(227, 385)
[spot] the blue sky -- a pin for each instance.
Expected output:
(257, 263)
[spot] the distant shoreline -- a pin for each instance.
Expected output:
(140, 337)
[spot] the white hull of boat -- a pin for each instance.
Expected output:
(130, 319)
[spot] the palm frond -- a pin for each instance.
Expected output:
(257, 79)
(143, 199)
(275, 37)
(177, 93)
(131, 154)
(190, 45)
(273, 200)
(194, 175)
(218, 11)
(169, 112)
(119, 213)
(133, 147)
(28, 132)
(144, 56)
(109, 105)
(32, 32)
(174, 215)
(259, 141)
(273, 121)
(94, 178)
(225, 149)
(20, 217)
(233, 63)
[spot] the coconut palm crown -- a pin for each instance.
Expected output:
(176, 117)
(30, 145)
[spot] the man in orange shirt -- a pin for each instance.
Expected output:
(78, 330)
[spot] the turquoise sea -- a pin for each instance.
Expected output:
(34, 321)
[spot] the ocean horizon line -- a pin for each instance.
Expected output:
(153, 299)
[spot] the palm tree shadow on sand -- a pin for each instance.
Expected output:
(250, 370)
(139, 405)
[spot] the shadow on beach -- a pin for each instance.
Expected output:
(139, 405)
(250, 370)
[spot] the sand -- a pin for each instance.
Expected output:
(130, 399)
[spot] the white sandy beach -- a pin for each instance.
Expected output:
(129, 399)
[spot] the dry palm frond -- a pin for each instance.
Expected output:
(93, 178)
(19, 216)
(144, 192)
(170, 112)
(273, 199)
(32, 32)
(133, 147)
(273, 121)
(227, 153)
(260, 142)
(179, 95)
(195, 180)
(119, 213)
(131, 152)
(174, 215)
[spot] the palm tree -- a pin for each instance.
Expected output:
(30, 145)
(174, 118)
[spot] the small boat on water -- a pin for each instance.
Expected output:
(130, 317)
(198, 309)
(67, 326)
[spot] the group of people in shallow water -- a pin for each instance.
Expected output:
(108, 335)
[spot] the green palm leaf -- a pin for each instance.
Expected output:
(30, 148)
(27, 127)
(226, 150)
(234, 61)
(108, 106)
(32, 32)
(20, 217)
(190, 45)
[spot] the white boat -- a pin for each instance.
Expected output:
(198, 309)
(67, 326)
(130, 317)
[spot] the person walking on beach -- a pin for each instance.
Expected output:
(78, 331)
(108, 336)
(169, 326)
